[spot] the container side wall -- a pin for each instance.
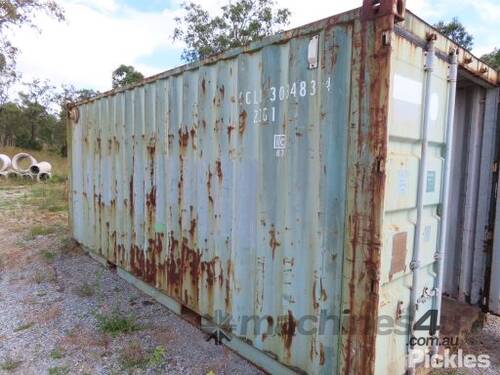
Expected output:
(224, 187)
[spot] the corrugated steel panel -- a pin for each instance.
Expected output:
(254, 185)
(181, 183)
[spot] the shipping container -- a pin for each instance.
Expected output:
(293, 194)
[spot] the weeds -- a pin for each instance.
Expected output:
(24, 327)
(84, 290)
(10, 364)
(157, 357)
(133, 356)
(48, 275)
(56, 353)
(39, 230)
(48, 256)
(59, 370)
(116, 323)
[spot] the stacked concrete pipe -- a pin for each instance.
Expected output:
(42, 171)
(5, 163)
(10, 168)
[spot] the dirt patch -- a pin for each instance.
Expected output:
(53, 298)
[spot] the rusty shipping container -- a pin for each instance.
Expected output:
(291, 191)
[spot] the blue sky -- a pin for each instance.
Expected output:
(99, 35)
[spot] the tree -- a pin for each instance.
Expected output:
(12, 122)
(38, 102)
(126, 75)
(69, 94)
(456, 32)
(15, 13)
(492, 58)
(240, 22)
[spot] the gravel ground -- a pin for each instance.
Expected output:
(486, 341)
(53, 297)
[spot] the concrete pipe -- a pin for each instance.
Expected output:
(27, 176)
(42, 167)
(13, 174)
(5, 163)
(18, 158)
(43, 176)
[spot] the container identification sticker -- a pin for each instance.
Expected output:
(403, 177)
(431, 181)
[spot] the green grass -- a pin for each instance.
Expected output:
(39, 230)
(48, 256)
(56, 353)
(85, 290)
(24, 327)
(10, 364)
(115, 323)
(133, 356)
(157, 357)
(59, 370)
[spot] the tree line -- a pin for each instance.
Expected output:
(36, 118)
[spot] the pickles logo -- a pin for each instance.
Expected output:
(448, 360)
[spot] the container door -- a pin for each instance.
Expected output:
(493, 276)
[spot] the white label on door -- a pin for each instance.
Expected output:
(403, 177)
(407, 89)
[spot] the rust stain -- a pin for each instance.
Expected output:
(273, 242)
(218, 169)
(321, 354)
(287, 331)
(209, 186)
(151, 199)
(399, 249)
(173, 267)
(183, 138)
(221, 92)
(230, 129)
(228, 294)
(242, 122)
(131, 195)
(193, 138)
(192, 229)
(364, 220)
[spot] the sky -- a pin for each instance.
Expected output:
(99, 35)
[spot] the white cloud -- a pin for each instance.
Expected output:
(92, 42)
(98, 35)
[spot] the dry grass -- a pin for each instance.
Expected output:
(49, 315)
(133, 356)
(80, 337)
(44, 276)
(85, 290)
(24, 327)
